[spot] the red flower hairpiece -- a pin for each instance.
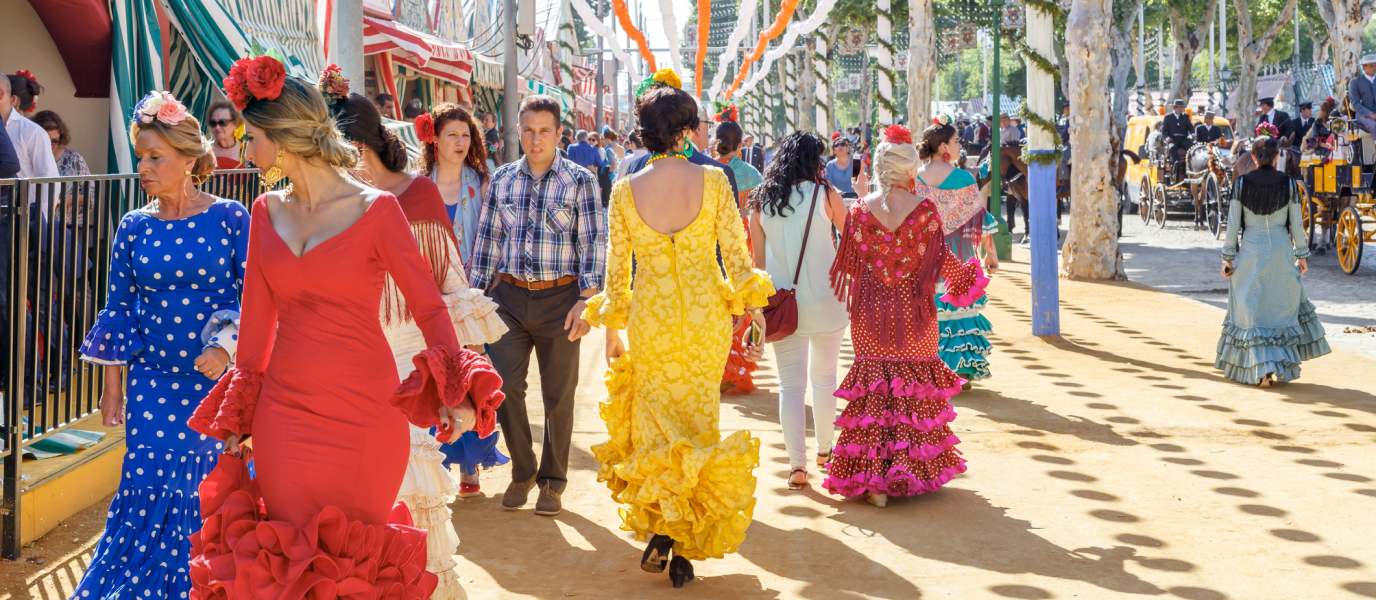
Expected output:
(1330, 99)
(897, 134)
(425, 128)
(27, 74)
(259, 78)
(333, 84)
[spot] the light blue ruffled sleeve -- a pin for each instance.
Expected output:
(114, 340)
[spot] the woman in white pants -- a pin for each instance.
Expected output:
(791, 218)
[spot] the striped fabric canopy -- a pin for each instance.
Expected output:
(425, 53)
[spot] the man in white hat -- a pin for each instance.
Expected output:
(1361, 94)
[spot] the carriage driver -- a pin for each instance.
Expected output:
(1178, 130)
(1361, 95)
(1207, 132)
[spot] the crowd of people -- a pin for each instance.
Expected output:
(268, 452)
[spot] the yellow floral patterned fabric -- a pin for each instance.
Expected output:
(666, 462)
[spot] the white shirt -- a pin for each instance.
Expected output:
(34, 147)
(1271, 116)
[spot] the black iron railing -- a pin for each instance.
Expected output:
(55, 242)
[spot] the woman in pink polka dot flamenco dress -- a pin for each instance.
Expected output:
(895, 438)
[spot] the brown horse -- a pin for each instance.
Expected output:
(1014, 180)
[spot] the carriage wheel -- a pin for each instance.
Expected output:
(1349, 240)
(1158, 206)
(1211, 215)
(1307, 210)
(1144, 200)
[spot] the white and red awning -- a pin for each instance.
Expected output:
(415, 50)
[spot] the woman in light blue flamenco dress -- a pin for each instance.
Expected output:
(171, 316)
(963, 344)
(1271, 324)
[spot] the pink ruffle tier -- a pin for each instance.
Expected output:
(239, 553)
(895, 437)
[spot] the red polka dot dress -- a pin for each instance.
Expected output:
(895, 437)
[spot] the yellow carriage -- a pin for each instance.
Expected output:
(1340, 204)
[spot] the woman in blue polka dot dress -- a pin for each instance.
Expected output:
(171, 317)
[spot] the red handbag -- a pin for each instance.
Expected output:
(781, 316)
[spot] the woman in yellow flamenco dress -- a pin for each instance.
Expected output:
(677, 480)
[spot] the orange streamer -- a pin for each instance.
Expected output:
(775, 30)
(623, 15)
(704, 24)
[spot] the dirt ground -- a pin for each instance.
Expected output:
(1114, 462)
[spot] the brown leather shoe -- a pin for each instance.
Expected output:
(548, 504)
(517, 494)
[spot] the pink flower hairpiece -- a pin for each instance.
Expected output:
(333, 84)
(160, 106)
(942, 119)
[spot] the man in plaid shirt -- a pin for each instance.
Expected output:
(540, 251)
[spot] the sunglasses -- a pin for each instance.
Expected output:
(219, 123)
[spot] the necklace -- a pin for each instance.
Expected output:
(656, 157)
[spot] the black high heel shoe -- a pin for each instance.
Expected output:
(680, 571)
(657, 554)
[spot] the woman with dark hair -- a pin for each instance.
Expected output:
(967, 226)
(1271, 324)
(327, 428)
(791, 220)
(428, 488)
(69, 163)
(455, 157)
(726, 149)
(726, 145)
(678, 481)
(221, 122)
(24, 89)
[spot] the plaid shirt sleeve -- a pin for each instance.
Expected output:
(591, 241)
(487, 244)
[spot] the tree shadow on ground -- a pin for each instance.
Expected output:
(817, 560)
(960, 527)
(1035, 419)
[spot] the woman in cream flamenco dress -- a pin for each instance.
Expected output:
(428, 487)
(666, 462)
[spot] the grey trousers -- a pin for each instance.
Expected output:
(535, 321)
(1366, 123)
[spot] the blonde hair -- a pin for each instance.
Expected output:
(299, 121)
(894, 165)
(186, 139)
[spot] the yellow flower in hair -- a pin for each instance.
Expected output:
(668, 77)
(239, 132)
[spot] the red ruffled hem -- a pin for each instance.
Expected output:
(228, 408)
(238, 553)
(739, 368)
(974, 292)
(894, 449)
(898, 482)
(443, 376)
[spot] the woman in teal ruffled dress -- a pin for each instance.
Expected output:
(967, 225)
(1271, 324)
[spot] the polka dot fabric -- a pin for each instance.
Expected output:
(166, 280)
(895, 436)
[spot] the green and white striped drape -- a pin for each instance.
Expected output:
(188, 82)
(137, 70)
(287, 25)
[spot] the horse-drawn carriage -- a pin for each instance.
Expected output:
(1340, 205)
(1160, 180)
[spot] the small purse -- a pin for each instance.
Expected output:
(781, 316)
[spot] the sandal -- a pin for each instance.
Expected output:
(657, 554)
(823, 458)
(1266, 381)
(792, 485)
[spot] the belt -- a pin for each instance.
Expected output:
(539, 285)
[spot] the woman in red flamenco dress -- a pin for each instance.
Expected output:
(313, 394)
(895, 438)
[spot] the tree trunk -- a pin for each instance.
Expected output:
(1091, 246)
(921, 61)
(1251, 52)
(1121, 49)
(807, 88)
(1188, 43)
(832, 83)
(1321, 44)
(1344, 20)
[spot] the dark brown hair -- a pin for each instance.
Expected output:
(476, 158)
(1264, 151)
(25, 91)
(49, 120)
(664, 113)
(933, 137)
(727, 137)
(360, 121)
(612, 135)
(539, 103)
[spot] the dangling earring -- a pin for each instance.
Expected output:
(192, 179)
(273, 175)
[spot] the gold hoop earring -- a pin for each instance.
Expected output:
(273, 175)
(192, 178)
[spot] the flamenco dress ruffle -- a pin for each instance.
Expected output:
(239, 553)
(1248, 355)
(963, 343)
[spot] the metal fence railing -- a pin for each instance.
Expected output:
(55, 243)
